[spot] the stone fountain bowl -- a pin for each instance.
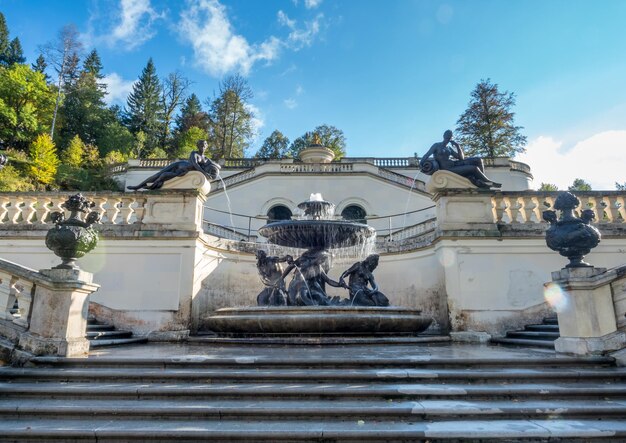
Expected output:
(319, 234)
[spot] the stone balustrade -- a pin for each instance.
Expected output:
(17, 285)
(414, 231)
(526, 207)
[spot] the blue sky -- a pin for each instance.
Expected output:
(393, 75)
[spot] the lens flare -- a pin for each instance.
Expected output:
(447, 258)
(555, 296)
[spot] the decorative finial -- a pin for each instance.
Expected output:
(316, 139)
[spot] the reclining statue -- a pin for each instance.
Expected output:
(453, 160)
(196, 162)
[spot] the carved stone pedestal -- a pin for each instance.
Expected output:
(59, 314)
(587, 321)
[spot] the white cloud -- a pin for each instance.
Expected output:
(290, 103)
(117, 88)
(299, 90)
(300, 37)
(217, 48)
(598, 159)
(257, 120)
(311, 4)
(134, 25)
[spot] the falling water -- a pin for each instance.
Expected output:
(408, 199)
(230, 210)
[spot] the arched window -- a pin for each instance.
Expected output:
(279, 212)
(354, 213)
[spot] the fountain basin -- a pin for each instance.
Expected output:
(296, 320)
(316, 234)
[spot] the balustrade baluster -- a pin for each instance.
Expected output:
(590, 202)
(28, 211)
(126, 210)
(15, 210)
(530, 210)
(140, 209)
(4, 203)
(613, 208)
(24, 296)
(112, 209)
(43, 209)
(620, 200)
(499, 206)
(7, 296)
(605, 205)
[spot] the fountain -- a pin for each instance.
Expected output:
(303, 306)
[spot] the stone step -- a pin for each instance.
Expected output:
(101, 335)
(297, 361)
(92, 327)
(189, 391)
(154, 430)
(116, 341)
(542, 327)
(311, 409)
(533, 335)
(224, 375)
(552, 320)
(524, 342)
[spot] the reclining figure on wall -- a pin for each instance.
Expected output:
(197, 162)
(362, 285)
(271, 273)
(453, 160)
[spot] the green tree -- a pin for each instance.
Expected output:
(40, 65)
(187, 142)
(15, 54)
(4, 40)
(620, 186)
(73, 154)
(579, 185)
(191, 114)
(231, 118)
(143, 108)
(329, 137)
(548, 187)
(44, 160)
(487, 126)
(11, 180)
(274, 146)
(93, 65)
(26, 102)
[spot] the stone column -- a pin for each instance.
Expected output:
(587, 320)
(58, 319)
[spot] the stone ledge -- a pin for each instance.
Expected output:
(591, 345)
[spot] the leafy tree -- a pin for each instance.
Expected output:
(144, 109)
(139, 145)
(579, 185)
(114, 136)
(73, 154)
(487, 127)
(11, 180)
(173, 94)
(63, 55)
(328, 136)
(620, 186)
(44, 160)
(114, 157)
(231, 118)
(548, 187)
(274, 146)
(187, 142)
(26, 102)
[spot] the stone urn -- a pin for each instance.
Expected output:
(570, 236)
(72, 238)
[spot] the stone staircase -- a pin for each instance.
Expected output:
(541, 335)
(315, 393)
(100, 335)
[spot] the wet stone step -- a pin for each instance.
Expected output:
(97, 335)
(329, 410)
(260, 391)
(547, 328)
(524, 342)
(97, 327)
(156, 375)
(536, 335)
(572, 431)
(115, 342)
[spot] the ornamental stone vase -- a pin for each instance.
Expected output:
(570, 236)
(72, 238)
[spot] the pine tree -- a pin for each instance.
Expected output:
(143, 107)
(274, 146)
(15, 54)
(191, 114)
(487, 127)
(40, 65)
(93, 65)
(579, 185)
(4, 40)
(44, 160)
